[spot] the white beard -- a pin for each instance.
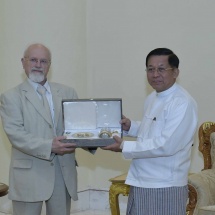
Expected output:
(36, 76)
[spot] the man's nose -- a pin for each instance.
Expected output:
(156, 73)
(38, 63)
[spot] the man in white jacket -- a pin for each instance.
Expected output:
(160, 155)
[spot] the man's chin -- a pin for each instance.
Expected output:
(36, 79)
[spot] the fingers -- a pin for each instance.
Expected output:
(117, 139)
(62, 148)
(67, 150)
(123, 121)
(69, 145)
(60, 138)
(126, 123)
(124, 117)
(115, 147)
(109, 147)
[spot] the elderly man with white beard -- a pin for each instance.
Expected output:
(42, 169)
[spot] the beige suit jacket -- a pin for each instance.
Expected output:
(32, 171)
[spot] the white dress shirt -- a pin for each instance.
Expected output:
(161, 154)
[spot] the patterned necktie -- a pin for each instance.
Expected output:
(42, 91)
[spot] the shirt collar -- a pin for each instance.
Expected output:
(168, 91)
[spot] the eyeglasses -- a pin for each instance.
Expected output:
(159, 70)
(34, 61)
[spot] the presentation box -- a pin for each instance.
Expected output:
(92, 122)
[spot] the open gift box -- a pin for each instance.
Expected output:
(92, 122)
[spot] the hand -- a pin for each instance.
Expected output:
(126, 123)
(115, 147)
(62, 148)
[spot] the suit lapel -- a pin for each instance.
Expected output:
(32, 97)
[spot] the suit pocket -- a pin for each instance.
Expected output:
(22, 164)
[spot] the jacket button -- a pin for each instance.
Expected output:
(52, 164)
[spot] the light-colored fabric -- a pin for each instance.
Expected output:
(212, 140)
(161, 201)
(161, 154)
(207, 210)
(27, 208)
(204, 183)
(30, 131)
(60, 201)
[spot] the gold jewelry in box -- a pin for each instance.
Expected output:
(83, 135)
(106, 133)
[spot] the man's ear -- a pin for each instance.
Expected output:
(176, 72)
(22, 60)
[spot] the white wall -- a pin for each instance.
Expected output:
(99, 47)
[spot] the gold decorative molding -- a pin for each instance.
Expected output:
(115, 190)
(3, 189)
(118, 187)
(192, 200)
(205, 131)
